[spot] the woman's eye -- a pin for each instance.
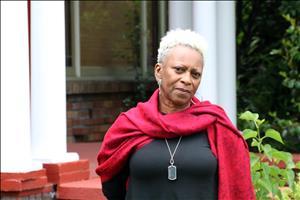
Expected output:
(179, 69)
(196, 75)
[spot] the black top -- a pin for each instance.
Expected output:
(148, 168)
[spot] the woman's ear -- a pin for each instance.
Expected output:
(158, 71)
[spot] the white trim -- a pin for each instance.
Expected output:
(15, 91)
(204, 15)
(162, 18)
(75, 18)
(144, 49)
(226, 57)
(48, 95)
(180, 14)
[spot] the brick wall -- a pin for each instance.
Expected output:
(92, 106)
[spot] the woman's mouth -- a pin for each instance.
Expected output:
(184, 90)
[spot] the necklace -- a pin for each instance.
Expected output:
(172, 171)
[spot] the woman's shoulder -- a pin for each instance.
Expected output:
(208, 106)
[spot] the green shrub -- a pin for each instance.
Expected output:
(268, 60)
(269, 178)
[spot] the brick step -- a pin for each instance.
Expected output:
(83, 190)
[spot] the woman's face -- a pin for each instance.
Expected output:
(180, 75)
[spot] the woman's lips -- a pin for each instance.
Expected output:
(183, 90)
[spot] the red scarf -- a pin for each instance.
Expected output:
(140, 125)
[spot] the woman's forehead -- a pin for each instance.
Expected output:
(184, 55)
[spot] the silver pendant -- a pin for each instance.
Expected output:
(172, 173)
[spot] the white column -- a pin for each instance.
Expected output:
(48, 84)
(15, 97)
(180, 15)
(75, 25)
(162, 18)
(226, 57)
(143, 37)
(204, 18)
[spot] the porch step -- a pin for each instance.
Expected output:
(83, 190)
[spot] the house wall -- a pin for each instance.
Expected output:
(92, 106)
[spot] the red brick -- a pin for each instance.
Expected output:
(69, 176)
(110, 119)
(95, 136)
(46, 189)
(21, 185)
(81, 131)
(104, 127)
(76, 122)
(94, 121)
(85, 190)
(99, 112)
(97, 104)
(84, 114)
(69, 123)
(11, 185)
(69, 132)
(16, 194)
(72, 114)
(23, 175)
(56, 168)
(36, 183)
(76, 106)
(69, 106)
(108, 104)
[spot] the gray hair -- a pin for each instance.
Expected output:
(180, 37)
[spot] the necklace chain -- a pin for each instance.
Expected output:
(172, 154)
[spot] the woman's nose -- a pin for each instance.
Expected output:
(186, 78)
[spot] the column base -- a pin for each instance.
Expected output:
(20, 184)
(63, 172)
(87, 189)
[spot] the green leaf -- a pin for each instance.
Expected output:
(298, 165)
(275, 135)
(283, 74)
(286, 157)
(249, 116)
(290, 177)
(274, 171)
(290, 164)
(265, 185)
(260, 122)
(267, 149)
(254, 159)
(255, 176)
(254, 143)
(248, 133)
(265, 179)
(276, 51)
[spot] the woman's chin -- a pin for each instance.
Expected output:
(182, 102)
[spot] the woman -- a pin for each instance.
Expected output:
(173, 146)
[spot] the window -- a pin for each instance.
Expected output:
(109, 40)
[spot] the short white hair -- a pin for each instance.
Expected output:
(180, 37)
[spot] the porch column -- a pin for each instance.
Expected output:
(204, 18)
(48, 84)
(180, 15)
(226, 57)
(15, 97)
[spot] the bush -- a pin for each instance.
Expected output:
(269, 178)
(268, 60)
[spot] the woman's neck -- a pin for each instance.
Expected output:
(166, 106)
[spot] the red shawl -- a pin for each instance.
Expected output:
(140, 125)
